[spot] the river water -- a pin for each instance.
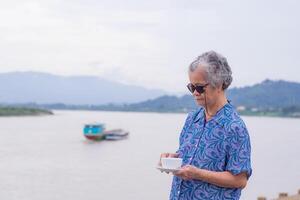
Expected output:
(47, 157)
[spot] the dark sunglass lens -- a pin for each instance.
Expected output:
(191, 87)
(200, 88)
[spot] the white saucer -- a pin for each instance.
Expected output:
(166, 169)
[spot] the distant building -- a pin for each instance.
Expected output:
(241, 108)
(254, 109)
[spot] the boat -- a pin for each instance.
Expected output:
(116, 134)
(94, 131)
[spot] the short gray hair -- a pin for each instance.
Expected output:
(218, 71)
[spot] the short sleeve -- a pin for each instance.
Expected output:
(238, 149)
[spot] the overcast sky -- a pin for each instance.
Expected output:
(151, 43)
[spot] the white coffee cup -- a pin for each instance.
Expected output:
(171, 163)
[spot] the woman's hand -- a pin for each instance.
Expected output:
(187, 172)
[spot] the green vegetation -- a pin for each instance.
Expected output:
(22, 111)
(268, 98)
(291, 111)
(267, 95)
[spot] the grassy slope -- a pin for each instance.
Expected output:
(16, 111)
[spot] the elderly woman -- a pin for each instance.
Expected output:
(214, 143)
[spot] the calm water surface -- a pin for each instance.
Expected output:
(47, 158)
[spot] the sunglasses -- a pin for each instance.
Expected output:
(199, 88)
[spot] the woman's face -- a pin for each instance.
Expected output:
(198, 77)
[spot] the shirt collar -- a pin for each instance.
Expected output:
(199, 114)
(218, 117)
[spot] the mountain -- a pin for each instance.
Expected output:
(267, 96)
(43, 88)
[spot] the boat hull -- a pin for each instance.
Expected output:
(94, 137)
(116, 134)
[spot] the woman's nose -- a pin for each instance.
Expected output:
(196, 93)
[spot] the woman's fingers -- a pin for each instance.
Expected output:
(164, 155)
(182, 173)
(170, 155)
(174, 155)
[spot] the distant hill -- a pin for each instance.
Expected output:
(43, 88)
(266, 98)
(268, 94)
(19, 111)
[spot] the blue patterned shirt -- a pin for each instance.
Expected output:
(220, 144)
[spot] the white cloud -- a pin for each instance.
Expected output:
(150, 43)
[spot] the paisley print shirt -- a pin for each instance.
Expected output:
(220, 144)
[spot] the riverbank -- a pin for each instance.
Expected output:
(277, 113)
(288, 112)
(23, 111)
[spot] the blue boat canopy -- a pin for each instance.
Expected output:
(93, 129)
